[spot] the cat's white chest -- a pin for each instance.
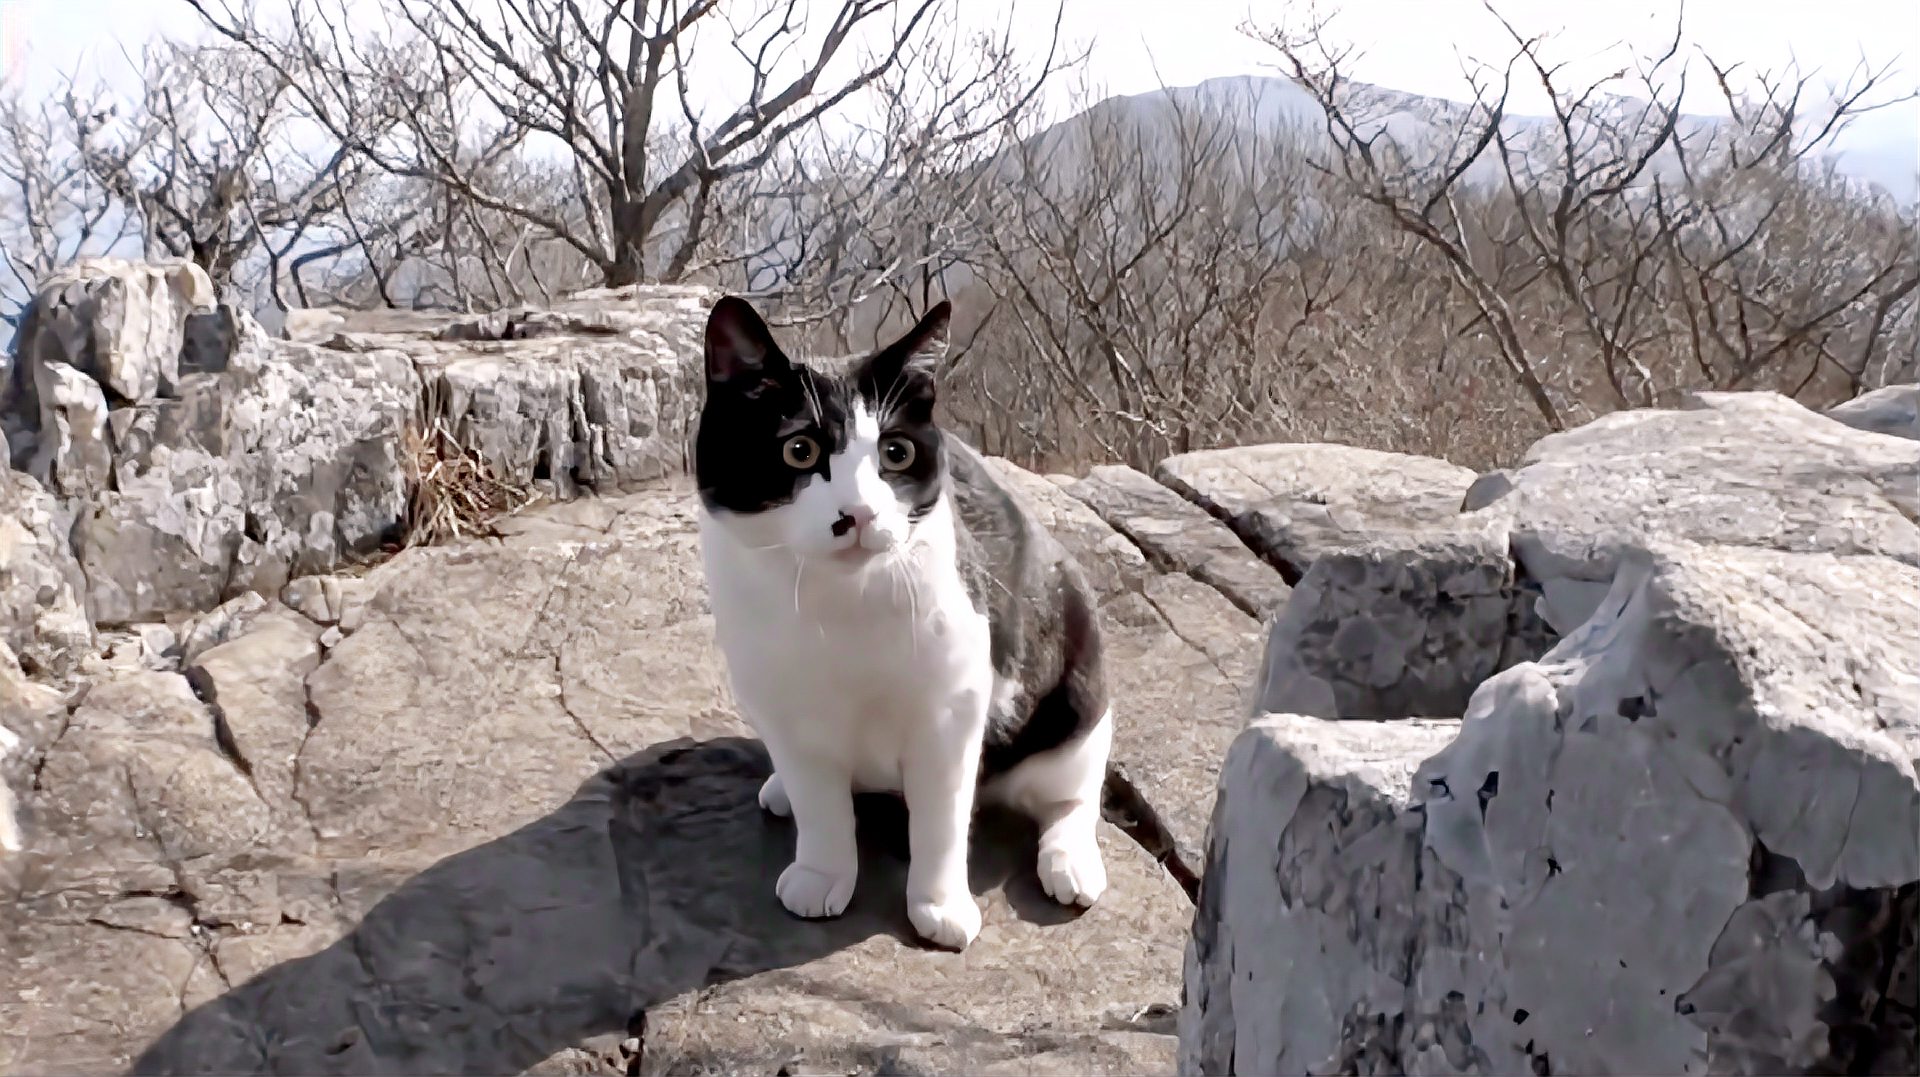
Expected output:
(844, 667)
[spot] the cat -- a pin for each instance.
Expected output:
(892, 621)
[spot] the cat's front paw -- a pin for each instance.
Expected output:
(812, 894)
(1071, 872)
(773, 797)
(952, 923)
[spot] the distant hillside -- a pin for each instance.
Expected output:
(1259, 109)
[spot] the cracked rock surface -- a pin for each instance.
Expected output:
(1685, 840)
(1293, 503)
(486, 808)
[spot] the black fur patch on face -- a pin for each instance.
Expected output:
(758, 400)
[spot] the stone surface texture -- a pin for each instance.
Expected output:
(43, 616)
(1293, 503)
(1178, 535)
(1685, 840)
(377, 855)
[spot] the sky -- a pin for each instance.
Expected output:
(1412, 45)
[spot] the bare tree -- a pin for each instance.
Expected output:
(53, 209)
(605, 88)
(1619, 251)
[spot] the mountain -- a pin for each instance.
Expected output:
(1254, 111)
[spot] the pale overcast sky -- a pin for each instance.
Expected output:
(1413, 45)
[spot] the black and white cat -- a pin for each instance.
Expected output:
(892, 621)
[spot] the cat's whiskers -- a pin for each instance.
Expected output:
(799, 567)
(813, 401)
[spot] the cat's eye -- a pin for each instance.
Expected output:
(800, 451)
(896, 453)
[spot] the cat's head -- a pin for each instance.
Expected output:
(831, 460)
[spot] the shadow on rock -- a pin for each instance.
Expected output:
(655, 879)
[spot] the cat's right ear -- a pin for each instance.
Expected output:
(740, 347)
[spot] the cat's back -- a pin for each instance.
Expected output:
(1043, 622)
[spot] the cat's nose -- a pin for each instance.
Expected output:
(857, 516)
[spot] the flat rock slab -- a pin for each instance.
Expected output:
(1179, 536)
(355, 840)
(1291, 503)
(651, 891)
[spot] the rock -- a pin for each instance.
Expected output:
(31, 717)
(150, 646)
(316, 440)
(1312, 905)
(1114, 565)
(1179, 658)
(220, 624)
(1047, 993)
(545, 655)
(641, 909)
(595, 397)
(1894, 409)
(1699, 815)
(255, 686)
(135, 794)
(163, 542)
(1392, 628)
(73, 456)
(312, 326)
(1754, 469)
(1292, 503)
(119, 323)
(323, 600)
(43, 617)
(218, 460)
(1178, 536)
(408, 875)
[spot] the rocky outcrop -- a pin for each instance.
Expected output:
(201, 459)
(1687, 839)
(1742, 469)
(1293, 503)
(376, 783)
(486, 807)
(1400, 626)
(596, 394)
(117, 324)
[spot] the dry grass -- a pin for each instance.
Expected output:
(453, 492)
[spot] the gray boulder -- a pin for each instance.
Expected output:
(1751, 469)
(1178, 536)
(1697, 815)
(487, 808)
(1399, 626)
(1893, 409)
(1293, 503)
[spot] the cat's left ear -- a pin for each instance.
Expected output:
(918, 352)
(739, 346)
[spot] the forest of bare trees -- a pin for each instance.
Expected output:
(1134, 276)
